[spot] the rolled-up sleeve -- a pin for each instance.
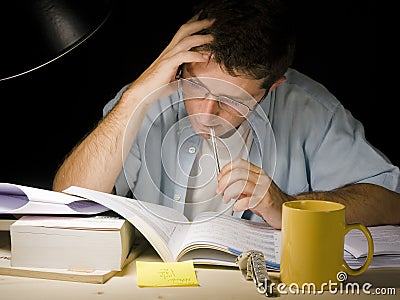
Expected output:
(354, 159)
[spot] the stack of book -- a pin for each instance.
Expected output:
(36, 249)
(73, 243)
(73, 239)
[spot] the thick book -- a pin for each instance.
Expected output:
(209, 239)
(378, 261)
(386, 240)
(87, 276)
(20, 200)
(74, 243)
(5, 223)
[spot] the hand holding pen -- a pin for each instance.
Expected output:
(253, 189)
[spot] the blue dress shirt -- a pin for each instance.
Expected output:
(303, 138)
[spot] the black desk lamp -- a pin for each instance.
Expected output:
(34, 33)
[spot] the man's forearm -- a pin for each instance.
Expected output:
(97, 161)
(367, 204)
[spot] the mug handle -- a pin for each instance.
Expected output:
(367, 233)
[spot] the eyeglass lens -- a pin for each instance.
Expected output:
(191, 89)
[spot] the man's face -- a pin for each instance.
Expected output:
(216, 99)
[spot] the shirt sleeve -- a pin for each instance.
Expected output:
(128, 176)
(110, 104)
(355, 159)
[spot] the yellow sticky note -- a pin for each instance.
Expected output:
(157, 274)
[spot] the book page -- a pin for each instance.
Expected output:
(152, 220)
(69, 222)
(164, 218)
(386, 241)
(234, 235)
(378, 261)
(18, 199)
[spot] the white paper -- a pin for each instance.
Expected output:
(386, 240)
(19, 199)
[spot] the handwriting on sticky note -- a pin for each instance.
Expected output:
(157, 274)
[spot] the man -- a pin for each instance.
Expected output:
(279, 135)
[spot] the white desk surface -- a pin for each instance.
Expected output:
(215, 283)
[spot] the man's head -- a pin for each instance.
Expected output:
(252, 38)
(252, 48)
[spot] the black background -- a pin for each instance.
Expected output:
(44, 113)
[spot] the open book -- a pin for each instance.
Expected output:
(386, 247)
(209, 239)
(19, 199)
(386, 241)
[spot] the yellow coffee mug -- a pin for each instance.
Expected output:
(312, 240)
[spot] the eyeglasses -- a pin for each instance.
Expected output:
(192, 89)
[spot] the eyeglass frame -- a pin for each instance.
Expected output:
(179, 77)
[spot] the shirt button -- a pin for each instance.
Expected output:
(192, 150)
(177, 197)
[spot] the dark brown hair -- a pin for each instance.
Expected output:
(253, 38)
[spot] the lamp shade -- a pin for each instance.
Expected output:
(35, 33)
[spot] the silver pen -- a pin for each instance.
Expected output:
(214, 146)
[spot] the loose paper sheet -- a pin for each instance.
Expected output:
(158, 274)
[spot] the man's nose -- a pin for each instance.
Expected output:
(210, 105)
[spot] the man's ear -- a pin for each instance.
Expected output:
(276, 83)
